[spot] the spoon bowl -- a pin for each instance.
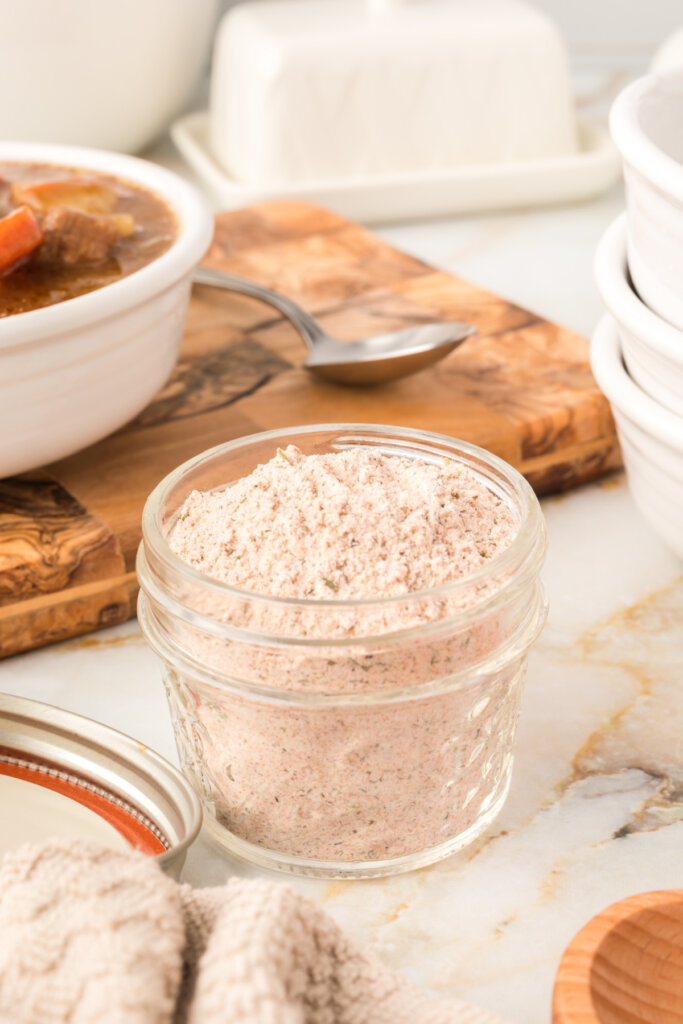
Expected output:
(626, 965)
(373, 360)
(386, 357)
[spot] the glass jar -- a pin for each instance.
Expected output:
(322, 739)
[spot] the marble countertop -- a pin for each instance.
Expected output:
(596, 806)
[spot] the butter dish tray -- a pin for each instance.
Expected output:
(471, 189)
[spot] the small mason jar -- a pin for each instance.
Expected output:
(322, 739)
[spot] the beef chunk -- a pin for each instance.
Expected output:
(73, 237)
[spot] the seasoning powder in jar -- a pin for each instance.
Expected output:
(388, 742)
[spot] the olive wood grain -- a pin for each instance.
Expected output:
(626, 965)
(522, 387)
(62, 571)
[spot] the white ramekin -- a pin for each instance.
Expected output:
(651, 347)
(646, 127)
(73, 372)
(651, 439)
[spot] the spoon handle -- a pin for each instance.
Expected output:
(306, 325)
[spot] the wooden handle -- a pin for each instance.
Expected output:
(626, 965)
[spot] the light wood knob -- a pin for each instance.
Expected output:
(626, 965)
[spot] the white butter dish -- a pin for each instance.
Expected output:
(320, 90)
(581, 175)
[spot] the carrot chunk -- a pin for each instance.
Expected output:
(20, 234)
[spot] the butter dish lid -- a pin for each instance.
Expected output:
(65, 775)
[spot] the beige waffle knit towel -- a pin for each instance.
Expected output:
(95, 936)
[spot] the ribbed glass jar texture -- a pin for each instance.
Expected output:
(323, 740)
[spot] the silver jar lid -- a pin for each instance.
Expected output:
(120, 780)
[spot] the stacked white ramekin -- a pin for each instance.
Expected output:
(637, 349)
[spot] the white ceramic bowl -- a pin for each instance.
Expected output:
(90, 73)
(646, 122)
(652, 348)
(75, 371)
(651, 439)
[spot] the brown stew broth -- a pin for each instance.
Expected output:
(34, 285)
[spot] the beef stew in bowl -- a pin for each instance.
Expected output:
(65, 232)
(73, 371)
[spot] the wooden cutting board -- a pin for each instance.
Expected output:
(522, 388)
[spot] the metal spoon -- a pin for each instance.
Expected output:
(370, 361)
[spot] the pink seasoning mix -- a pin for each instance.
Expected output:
(349, 781)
